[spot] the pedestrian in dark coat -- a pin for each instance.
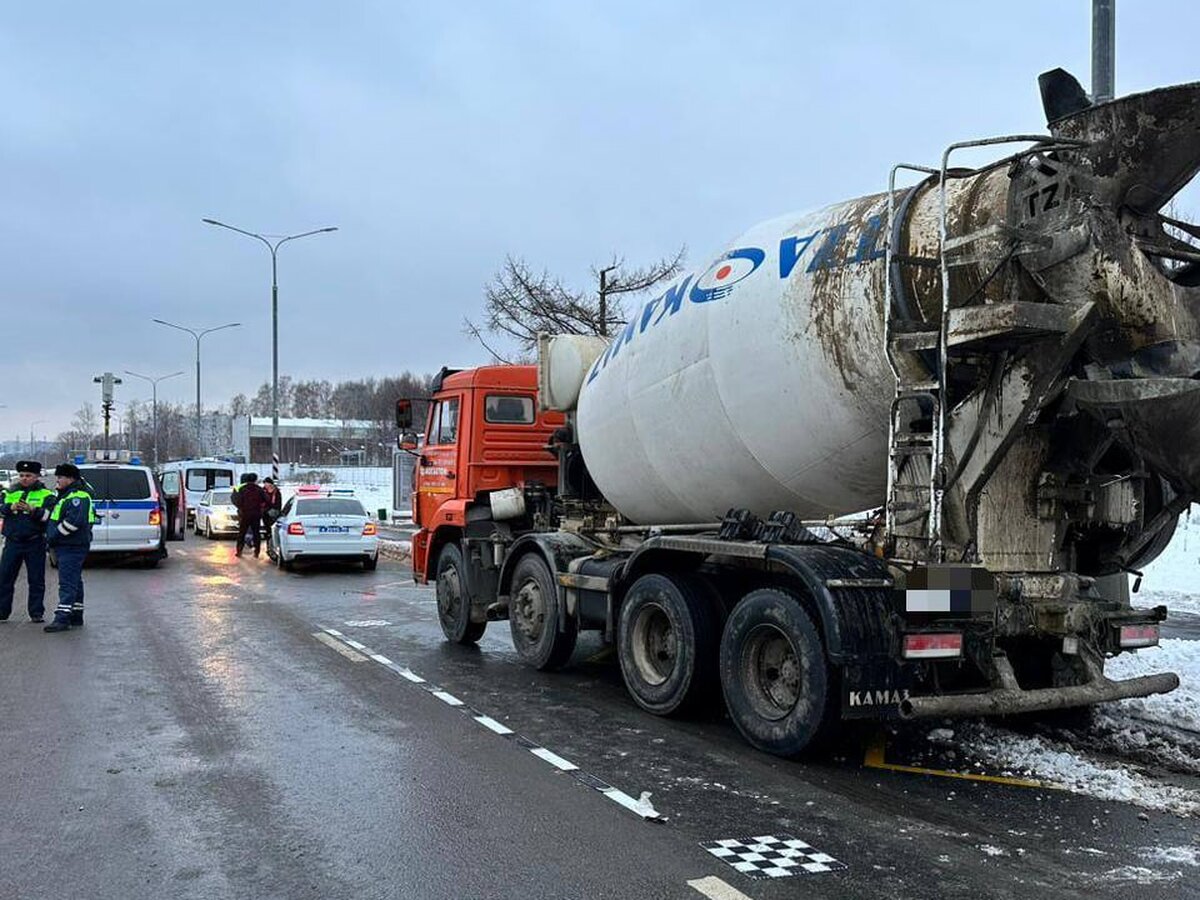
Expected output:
(25, 509)
(274, 505)
(250, 502)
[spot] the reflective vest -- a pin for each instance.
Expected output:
(34, 498)
(81, 495)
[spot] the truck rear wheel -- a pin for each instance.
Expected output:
(668, 639)
(543, 636)
(453, 599)
(774, 673)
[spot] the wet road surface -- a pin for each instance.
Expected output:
(206, 735)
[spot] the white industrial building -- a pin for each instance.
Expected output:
(307, 441)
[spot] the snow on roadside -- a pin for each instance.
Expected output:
(1176, 573)
(1128, 727)
(1056, 764)
(1178, 709)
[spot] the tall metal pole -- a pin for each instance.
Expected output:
(604, 300)
(31, 424)
(1104, 50)
(274, 250)
(154, 388)
(197, 335)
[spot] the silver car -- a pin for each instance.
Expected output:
(323, 526)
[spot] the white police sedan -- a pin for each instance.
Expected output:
(215, 514)
(319, 525)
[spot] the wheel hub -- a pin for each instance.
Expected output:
(529, 610)
(655, 644)
(449, 594)
(772, 672)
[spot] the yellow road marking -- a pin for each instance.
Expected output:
(330, 641)
(875, 760)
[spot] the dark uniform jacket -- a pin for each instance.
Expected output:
(71, 521)
(20, 525)
(250, 501)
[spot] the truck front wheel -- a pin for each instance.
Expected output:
(667, 642)
(453, 599)
(774, 673)
(543, 636)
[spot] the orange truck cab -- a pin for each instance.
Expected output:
(486, 446)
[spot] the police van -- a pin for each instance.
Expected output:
(129, 506)
(184, 482)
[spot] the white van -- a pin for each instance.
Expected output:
(129, 511)
(185, 481)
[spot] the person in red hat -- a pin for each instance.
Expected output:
(25, 510)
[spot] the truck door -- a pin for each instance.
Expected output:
(437, 469)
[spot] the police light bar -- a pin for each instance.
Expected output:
(110, 456)
(933, 646)
(1133, 636)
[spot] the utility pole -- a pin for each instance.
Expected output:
(604, 286)
(31, 424)
(1104, 50)
(154, 385)
(106, 381)
(274, 249)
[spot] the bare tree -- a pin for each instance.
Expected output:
(519, 302)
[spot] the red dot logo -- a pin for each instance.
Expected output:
(723, 272)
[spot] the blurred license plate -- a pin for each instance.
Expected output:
(333, 529)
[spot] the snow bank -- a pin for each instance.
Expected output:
(1178, 709)
(1177, 570)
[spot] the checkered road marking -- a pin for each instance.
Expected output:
(771, 856)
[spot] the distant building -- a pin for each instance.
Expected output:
(307, 441)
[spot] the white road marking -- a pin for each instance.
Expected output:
(492, 725)
(641, 807)
(352, 655)
(554, 759)
(716, 889)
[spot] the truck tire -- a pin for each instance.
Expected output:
(453, 600)
(668, 642)
(774, 674)
(535, 613)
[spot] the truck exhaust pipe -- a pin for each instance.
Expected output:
(1010, 701)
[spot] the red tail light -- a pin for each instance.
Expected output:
(933, 646)
(1139, 636)
(156, 517)
(296, 528)
(370, 528)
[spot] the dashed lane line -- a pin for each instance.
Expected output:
(716, 889)
(361, 653)
(352, 655)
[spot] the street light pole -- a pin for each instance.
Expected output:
(274, 250)
(31, 424)
(197, 335)
(154, 408)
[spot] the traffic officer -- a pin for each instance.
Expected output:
(26, 509)
(70, 534)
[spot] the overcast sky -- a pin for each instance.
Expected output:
(440, 137)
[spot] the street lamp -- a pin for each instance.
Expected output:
(154, 385)
(274, 248)
(31, 424)
(197, 335)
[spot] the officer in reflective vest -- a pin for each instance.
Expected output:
(25, 510)
(70, 534)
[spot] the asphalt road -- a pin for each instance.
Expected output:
(205, 735)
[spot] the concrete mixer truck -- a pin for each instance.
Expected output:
(897, 457)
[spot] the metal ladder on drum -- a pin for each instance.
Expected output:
(904, 444)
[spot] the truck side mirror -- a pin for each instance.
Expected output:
(407, 442)
(404, 415)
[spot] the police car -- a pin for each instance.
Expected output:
(322, 524)
(128, 505)
(215, 514)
